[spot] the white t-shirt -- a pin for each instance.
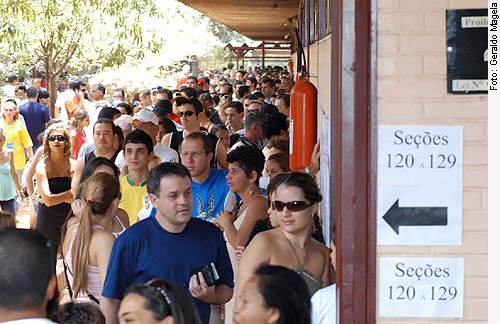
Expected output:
(9, 91)
(324, 305)
(61, 103)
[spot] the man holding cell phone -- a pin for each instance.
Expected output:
(170, 245)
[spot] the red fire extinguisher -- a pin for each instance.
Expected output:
(303, 107)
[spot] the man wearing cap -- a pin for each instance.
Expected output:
(147, 121)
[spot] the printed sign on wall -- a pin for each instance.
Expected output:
(421, 287)
(466, 47)
(419, 197)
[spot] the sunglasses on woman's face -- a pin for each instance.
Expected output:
(293, 206)
(59, 138)
(188, 113)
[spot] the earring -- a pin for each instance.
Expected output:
(251, 189)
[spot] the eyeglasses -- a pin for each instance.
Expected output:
(59, 138)
(293, 206)
(188, 113)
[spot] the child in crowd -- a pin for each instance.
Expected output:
(77, 134)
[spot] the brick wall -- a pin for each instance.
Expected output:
(411, 65)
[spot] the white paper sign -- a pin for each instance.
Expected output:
(325, 171)
(421, 287)
(419, 199)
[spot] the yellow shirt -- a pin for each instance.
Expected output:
(19, 136)
(133, 197)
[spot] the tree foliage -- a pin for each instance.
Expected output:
(57, 33)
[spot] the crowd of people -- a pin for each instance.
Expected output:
(164, 206)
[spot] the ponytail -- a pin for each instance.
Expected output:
(80, 249)
(98, 192)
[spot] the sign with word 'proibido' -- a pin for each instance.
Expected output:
(419, 185)
(466, 48)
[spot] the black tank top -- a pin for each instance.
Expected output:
(91, 156)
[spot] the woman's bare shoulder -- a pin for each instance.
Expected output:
(100, 237)
(41, 167)
(319, 247)
(269, 236)
(259, 201)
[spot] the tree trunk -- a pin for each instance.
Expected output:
(51, 80)
(52, 89)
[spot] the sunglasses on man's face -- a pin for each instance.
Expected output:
(293, 206)
(188, 113)
(59, 138)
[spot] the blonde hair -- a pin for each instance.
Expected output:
(59, 127)
(98, 192)
(79, 116)
(6, 105)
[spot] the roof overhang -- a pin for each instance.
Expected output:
(260, 20)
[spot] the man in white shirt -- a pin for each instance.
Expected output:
(9, 90)
(324, 301)
(27, 275)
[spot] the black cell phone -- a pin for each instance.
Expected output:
(209, 273)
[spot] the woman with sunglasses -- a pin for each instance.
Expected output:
(294, 202)
(87, 246)
(157, 302)
(53, 176)
(245, 168)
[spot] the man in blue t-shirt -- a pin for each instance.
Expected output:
(169, 245)
(35, 116)
(209, 185)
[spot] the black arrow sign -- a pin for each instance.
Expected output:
(415, 216)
